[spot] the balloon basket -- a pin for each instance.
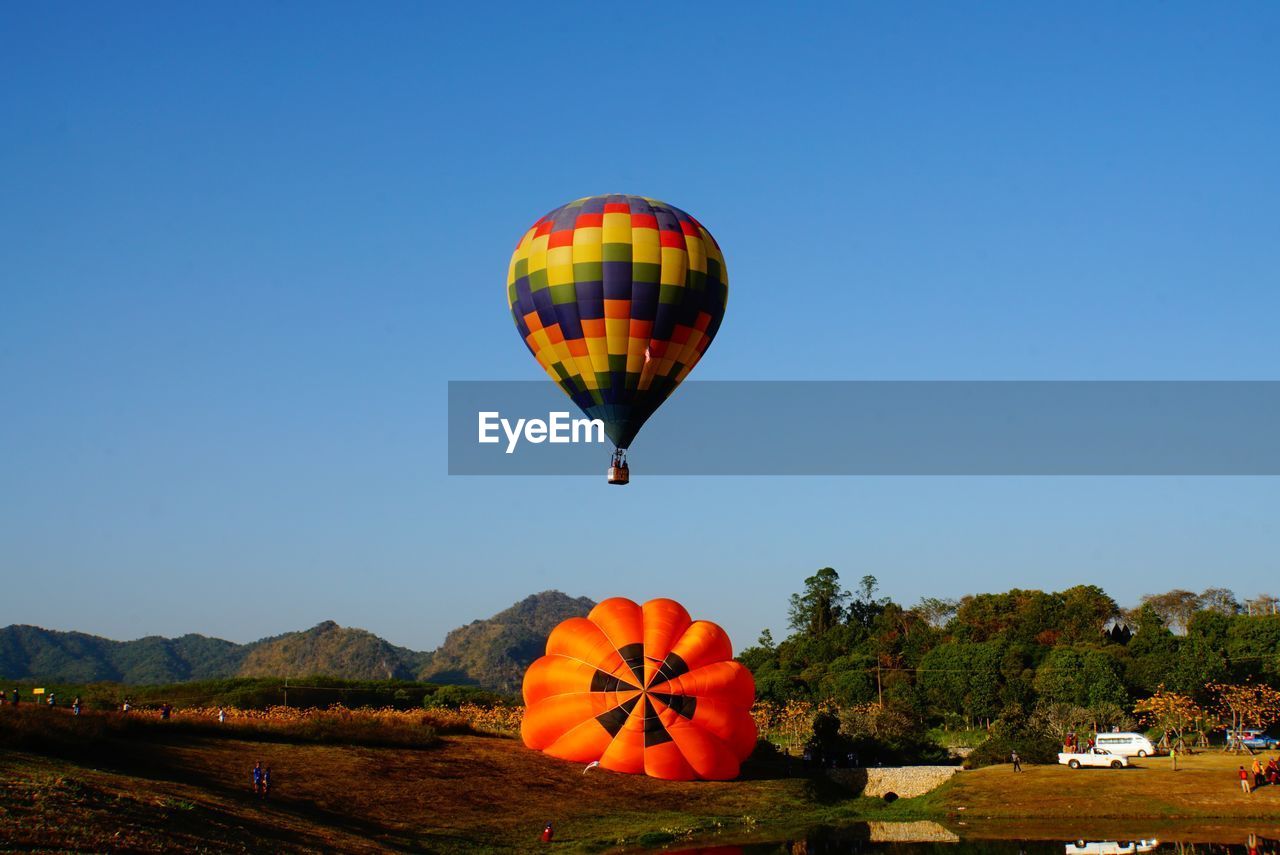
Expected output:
(619, 473)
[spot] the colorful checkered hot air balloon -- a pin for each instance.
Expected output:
(617, 297)
(641, 689)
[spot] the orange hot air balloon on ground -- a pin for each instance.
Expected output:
(642, 689)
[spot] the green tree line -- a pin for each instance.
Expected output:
(1004, 656)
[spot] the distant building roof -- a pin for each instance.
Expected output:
(1118, 630)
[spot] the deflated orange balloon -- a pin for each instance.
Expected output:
(642, 689)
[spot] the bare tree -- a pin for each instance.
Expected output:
(935, 611)
(1221, 600)
(1174, 607)
(1263, 604)
(1060, 719)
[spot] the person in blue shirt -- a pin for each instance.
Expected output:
(258, 774)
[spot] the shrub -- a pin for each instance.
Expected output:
(888, 735)
(1032, 744)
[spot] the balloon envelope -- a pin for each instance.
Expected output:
(641, 689)
(617, 297)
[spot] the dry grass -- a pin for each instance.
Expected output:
(182, 789)
(469, 792)
(1205, 789)
(472, 793)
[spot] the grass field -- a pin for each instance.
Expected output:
(158, 789)
(1205, 785)
(1203, 799)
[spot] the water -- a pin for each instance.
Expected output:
(931, 838)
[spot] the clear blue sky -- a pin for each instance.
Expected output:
(243, 248)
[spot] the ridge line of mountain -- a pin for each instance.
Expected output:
(491, 653)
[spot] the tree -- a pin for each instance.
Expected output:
(1059, 719)
(1263, 604)
(1220, 600)
(1251, 705)
(1151, 652)
(849, 680)
(1175, 608)
(1253, 642)
(935, 612)
(757, 658)
(795, 721)
(1029, 617)
(876, 721)
(820, 606)
(865, 607)
(1108, 715)
(944, 679)
(1170, 712)
(1085, 608)
(1197, 665)
(1082, 677)
(983, 699)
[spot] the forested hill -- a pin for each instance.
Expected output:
(490, 653)
(30, 652)
(495, 653)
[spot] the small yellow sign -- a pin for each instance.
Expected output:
(37, 691)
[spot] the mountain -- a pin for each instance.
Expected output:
(29, 652)
(490, 653)
(333, 651)
(494, 653)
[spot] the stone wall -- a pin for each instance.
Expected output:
(905, 782)
(921, 831)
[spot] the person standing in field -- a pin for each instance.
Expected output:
(222, 715)
(258, 778)
(1273, 772)
(547, 833)
(1016, 761)
(1257, 773)
(16, 697)
(1244, 781)
(75, 705)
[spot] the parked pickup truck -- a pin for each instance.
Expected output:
(1093, 757)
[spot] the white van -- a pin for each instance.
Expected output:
(1111, 847)
(1125, 744)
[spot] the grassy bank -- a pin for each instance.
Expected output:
(165, 788)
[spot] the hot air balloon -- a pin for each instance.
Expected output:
(641, 689)
(617, 297)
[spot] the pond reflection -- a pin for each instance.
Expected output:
(931, 838)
